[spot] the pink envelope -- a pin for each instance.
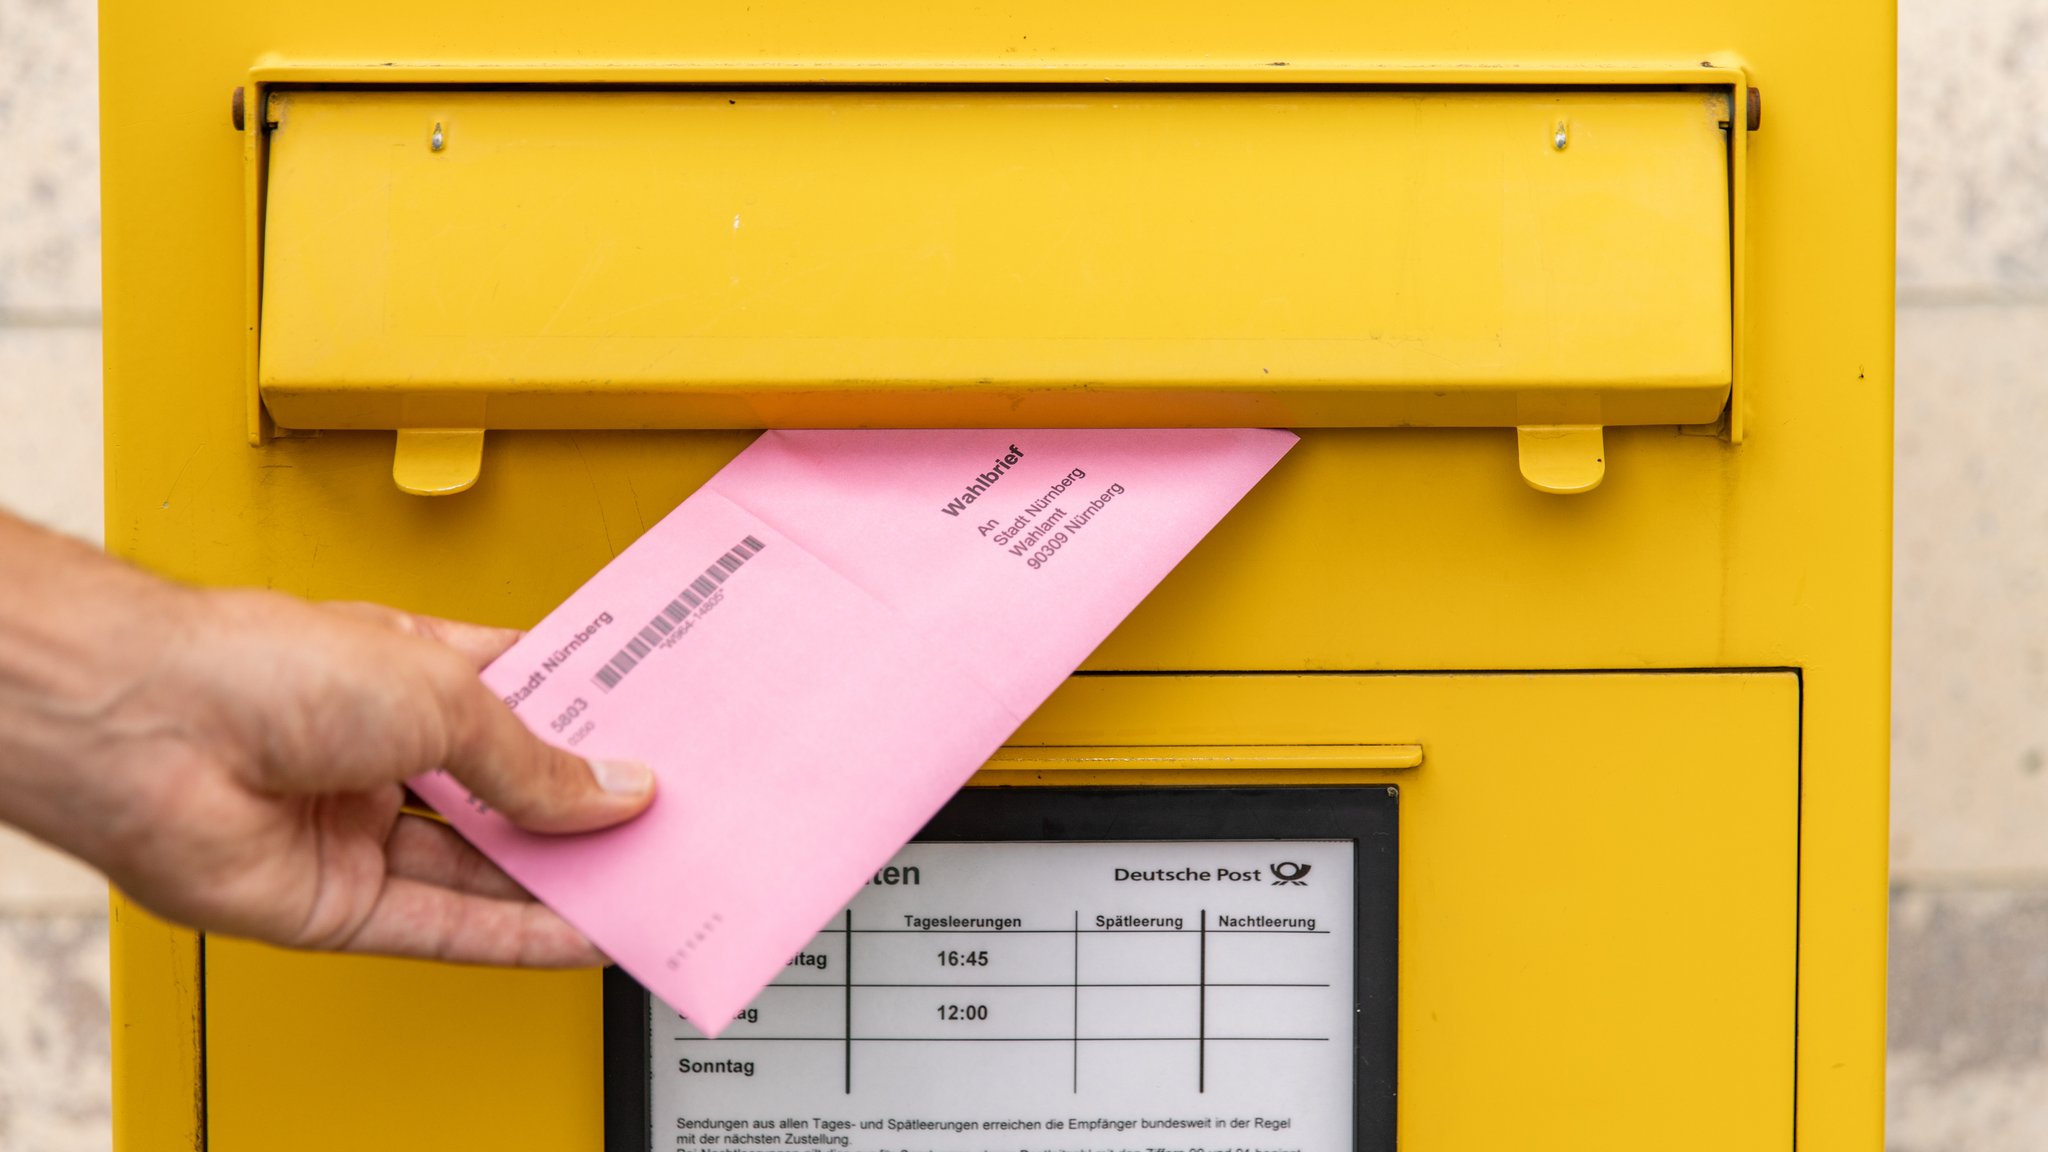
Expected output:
(814, 652)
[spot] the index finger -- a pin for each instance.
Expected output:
(415, 918)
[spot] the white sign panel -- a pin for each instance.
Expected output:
(1192, 996)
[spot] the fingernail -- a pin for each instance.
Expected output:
(622, 777)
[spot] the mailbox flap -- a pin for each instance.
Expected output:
(997, 256)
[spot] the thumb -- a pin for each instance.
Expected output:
(534, 784)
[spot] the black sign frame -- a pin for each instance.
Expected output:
(1368, 816)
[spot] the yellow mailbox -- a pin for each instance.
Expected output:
(1567, 621)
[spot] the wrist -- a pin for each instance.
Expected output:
(79, 637)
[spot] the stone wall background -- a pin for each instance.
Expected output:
(1969, 953)
(54, 1068)
(1969, 1004)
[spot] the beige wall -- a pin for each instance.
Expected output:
(1969, 1013)
(53, 936)
(1970, 827)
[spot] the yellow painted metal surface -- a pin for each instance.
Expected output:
(159, 1031)
(1367, 552)
(1553, 811)
(1563, 459)
(437, 461)
(369, 1053)
(738, 257)
(1009, 765)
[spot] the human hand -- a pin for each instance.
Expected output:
(234, 760)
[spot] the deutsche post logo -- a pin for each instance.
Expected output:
(1288, 872)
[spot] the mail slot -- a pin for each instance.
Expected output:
(1419, 809)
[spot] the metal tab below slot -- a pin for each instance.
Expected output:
(1563, 459)
(437, 461)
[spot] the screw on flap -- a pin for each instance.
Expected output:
(439, 138)
(1561, 139)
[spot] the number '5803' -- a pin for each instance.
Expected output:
(561, 723)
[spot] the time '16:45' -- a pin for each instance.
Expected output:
(950, 959)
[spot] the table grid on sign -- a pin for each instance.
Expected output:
(1194, 1027)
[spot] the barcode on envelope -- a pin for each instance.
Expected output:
(673, 613)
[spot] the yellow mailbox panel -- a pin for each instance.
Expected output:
(1595, 869)
(1226, 254)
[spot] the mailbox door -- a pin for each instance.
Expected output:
(979, 254)
(1597, 923)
